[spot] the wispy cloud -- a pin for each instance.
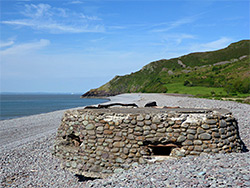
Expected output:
(56, 20)
(15, 49)
(97, 39)
(93, 18)
(178, 37)
(6, 43)
(163, 27)
(214, 45)
(173, 39)
(76, 2)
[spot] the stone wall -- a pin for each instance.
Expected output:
(98, 142)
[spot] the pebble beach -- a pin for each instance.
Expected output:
(27, 143)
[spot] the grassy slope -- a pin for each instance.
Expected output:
(211, 80)
(203, 78)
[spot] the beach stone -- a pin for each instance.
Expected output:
(140, 138)
(90, 127)
(91, 132)
(205, 136)
(85, 123)
(149, 135)
(142, 160)
(197, 142)
(141, 124)
(187, 143)
(73, 164)
(118, 170)
(125, 151)
(161, 130)
(194, 152)
(129, 125)
(138, 129)
(119, 144)
(177, 152)
(153, 127)
(146, 128)
(205, 126)
(133, 150)
(191, 131)
(222, 131)
(98, 152)
(127, 121)
(129, 145)
(129, 131)
(100, 128)
(198, 148)
(105, 155)
(216, 135)
(181, 139)
(211, 121)
(137, 133)
(169, 129)
(222, 124)
(133, 122)
(109, 140)
(156, 120)
(160, 126)
(119, 160)
(184, 125)
(117, 138)
(147, 117)
(200, 130)
(140, 118)
(135, 146)
(190, 136)
(131, 136)
(171, 123)
(147, 122)
(177, 130)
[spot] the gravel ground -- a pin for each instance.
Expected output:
(26, 159)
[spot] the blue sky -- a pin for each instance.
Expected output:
(73, 46)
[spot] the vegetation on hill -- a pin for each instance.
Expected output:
(224, 72)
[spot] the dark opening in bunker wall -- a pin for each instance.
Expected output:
(162, 149)
(73, 139)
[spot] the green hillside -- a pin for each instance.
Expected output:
(223, 72)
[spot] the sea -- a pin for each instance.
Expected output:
(19, 105)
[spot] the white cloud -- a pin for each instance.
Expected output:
(178, 37)
(24, 48)
(56, 20)
(76, 2)
(6, 44)
(89, 17)
(172, 41)
(174, 24)
(214, 45)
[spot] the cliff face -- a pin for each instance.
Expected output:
(227, 68)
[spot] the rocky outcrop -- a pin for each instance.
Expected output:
(99, 142)
(98, 93)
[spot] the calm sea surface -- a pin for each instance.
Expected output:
(19, 105)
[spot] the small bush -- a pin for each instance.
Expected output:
(188, 83)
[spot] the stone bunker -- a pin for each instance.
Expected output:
(99, 142)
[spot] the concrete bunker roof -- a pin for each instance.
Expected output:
(148, 110)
